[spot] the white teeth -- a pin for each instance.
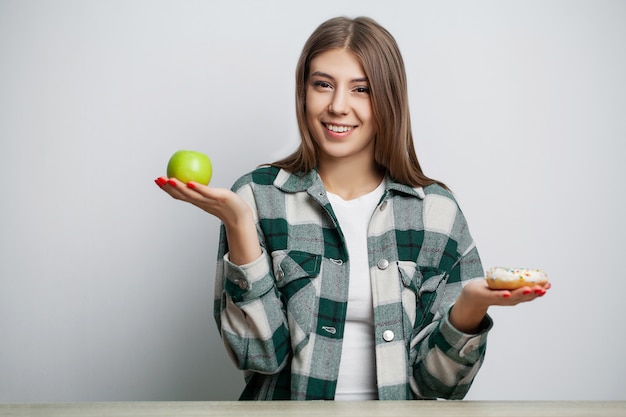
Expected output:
(338, 129)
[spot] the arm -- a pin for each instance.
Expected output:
(247, 307)
(450, 349)
(448, 358)
(471, 307)
(233, 211)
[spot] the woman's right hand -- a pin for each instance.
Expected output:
(220, 202)
(231, 209)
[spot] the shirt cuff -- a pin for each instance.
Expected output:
(248, 281)
(469, 347)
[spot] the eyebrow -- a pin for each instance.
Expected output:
(354, 80)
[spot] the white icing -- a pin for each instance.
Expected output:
(516, 274)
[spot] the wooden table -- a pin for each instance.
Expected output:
(323, 409)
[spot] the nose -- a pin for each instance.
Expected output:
(339, 102)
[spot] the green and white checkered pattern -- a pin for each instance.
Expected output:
(282, 316)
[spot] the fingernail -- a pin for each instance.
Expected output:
(540, 292)
(506, 295)
(526, 292)
(160, 181)
(172, 183)
(191, 185)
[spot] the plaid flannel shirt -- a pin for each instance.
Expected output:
(282, 316)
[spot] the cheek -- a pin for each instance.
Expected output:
(365, 112)
(308, 109)
(315, 103)
(311, 120)
(312, 117)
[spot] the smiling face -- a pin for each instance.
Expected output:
(338, 107)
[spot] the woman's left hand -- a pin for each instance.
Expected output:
(479, 292)
(476, 297)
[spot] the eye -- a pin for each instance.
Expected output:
(362, 90)
(321, 84)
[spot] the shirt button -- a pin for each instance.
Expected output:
(383, 206)
(388, 335)
(471, 346)
(243, 284)
(382, 264)
(280, 275)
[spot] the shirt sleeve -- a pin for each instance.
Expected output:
(449, 360)
(249, 312)
(444, 359)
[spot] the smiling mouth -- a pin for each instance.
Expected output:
(338, 128)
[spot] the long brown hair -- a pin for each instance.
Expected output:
(377, 51)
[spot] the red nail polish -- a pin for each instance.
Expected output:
(172, 183)
(506, 295)
(526, 292)
(191, 185)
(540, 292)
(160, 181)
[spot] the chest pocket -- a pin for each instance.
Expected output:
(294, 272)
(422, 293)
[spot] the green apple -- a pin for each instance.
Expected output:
(190, 166)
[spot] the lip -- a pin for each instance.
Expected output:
(338, 135)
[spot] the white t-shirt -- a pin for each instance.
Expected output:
(357, 370)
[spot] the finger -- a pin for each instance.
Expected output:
(215, 197)
(526, 294)
(173, 182)
(163, 182)
(201, 189)
(212, 193)
(201, 195)
(176, 189)
(537, 290)
(168, 185)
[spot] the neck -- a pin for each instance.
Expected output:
(350, 180)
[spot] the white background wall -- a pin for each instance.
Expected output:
(106, 284)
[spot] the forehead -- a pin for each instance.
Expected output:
(337, 63)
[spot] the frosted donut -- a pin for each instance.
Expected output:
(499, 278)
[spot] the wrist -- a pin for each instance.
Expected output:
(467, 315)
(243, 241)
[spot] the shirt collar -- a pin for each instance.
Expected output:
(311, 181)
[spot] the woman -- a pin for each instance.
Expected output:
(343, 271)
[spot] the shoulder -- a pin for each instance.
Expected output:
(264, 175)
(436, 193)
(440, 204)
(442, 211)
(273, 177)
(438, 190)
